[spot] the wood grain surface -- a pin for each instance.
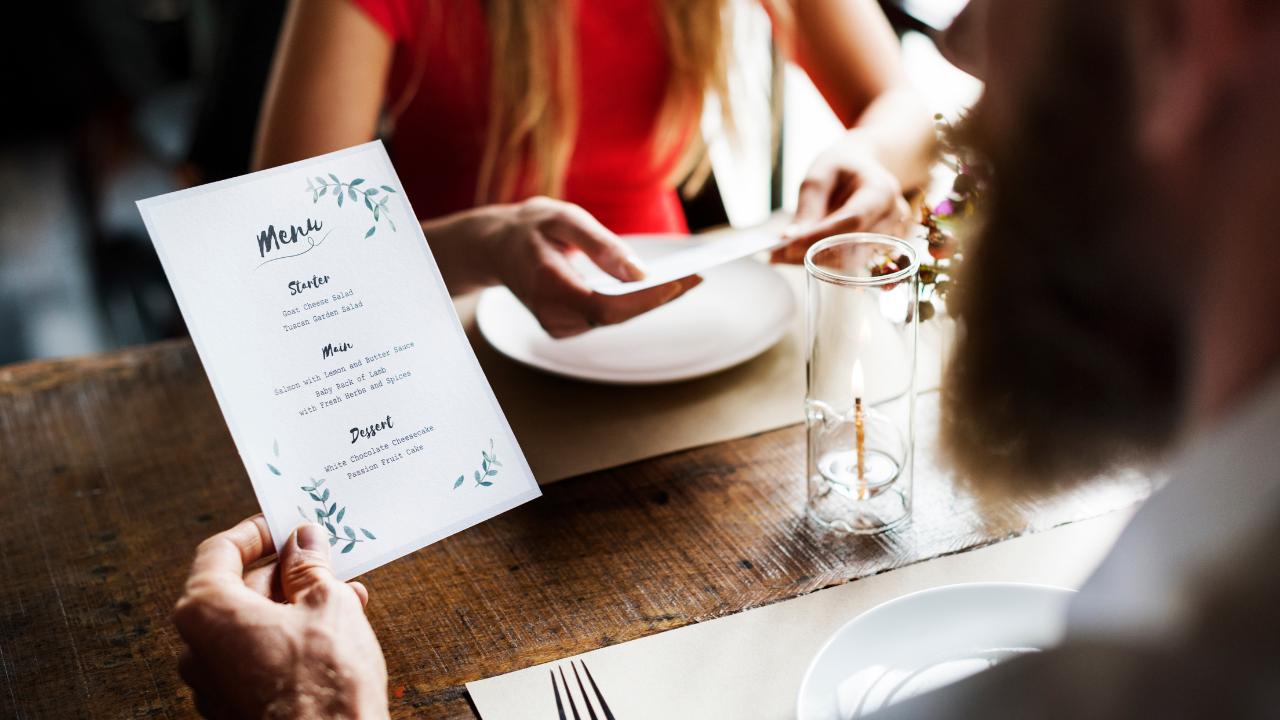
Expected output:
(113, 468)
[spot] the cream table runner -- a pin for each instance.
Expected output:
(567, 427)
(750, 665)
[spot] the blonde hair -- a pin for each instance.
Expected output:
(533, 100)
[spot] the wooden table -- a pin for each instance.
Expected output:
(112, 469)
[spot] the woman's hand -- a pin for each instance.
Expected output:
(527, 246)
(846, 190)
(289, 646)
(531, 254)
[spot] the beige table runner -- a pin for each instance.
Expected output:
(567, 427)
(750, 665)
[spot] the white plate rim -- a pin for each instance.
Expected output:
(985, 585)
(746, 352)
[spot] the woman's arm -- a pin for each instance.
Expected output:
(327, 83)
(849, 50)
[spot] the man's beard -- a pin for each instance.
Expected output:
(1069, 360)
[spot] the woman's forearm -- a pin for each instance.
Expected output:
(898, 129)
(850, 52)
(313, 107)
(462, 242)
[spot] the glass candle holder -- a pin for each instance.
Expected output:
(860, 405)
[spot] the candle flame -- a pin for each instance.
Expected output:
(857, 381)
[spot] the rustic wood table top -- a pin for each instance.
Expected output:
(113, 468)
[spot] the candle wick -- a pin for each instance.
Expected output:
(860, 432)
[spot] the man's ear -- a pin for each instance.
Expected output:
(1188, 54)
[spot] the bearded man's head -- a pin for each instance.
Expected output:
(1070, 356)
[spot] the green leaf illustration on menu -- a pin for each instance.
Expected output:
(488, 469)
(328, 512)
(374, 198)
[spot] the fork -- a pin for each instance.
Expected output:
(568, 695)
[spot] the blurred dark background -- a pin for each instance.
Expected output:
(109, 101)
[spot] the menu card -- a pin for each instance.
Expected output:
(336, 356)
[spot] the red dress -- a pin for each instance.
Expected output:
(439, 138)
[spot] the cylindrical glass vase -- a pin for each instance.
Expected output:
(860, 405)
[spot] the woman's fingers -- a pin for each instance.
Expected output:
(869, 208)
(864, 206)
(814, 199)
(897, 220)
(613, 309)
(598, 310)
(570, 224)
(818, 193)
(584, 311)
(556, 293)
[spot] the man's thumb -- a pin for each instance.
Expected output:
(305, 573)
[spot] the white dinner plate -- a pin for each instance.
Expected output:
(922, 641)
(740, 310)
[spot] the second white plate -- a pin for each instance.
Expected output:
(925, 640)
(739, 311)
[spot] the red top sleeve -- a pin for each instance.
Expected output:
(390, 15)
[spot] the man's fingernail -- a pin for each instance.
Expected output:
(312, 537)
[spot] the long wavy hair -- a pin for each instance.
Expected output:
(533, 101)
(534, 94)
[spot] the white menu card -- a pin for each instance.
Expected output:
(334, 351)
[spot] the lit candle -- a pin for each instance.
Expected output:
(856, 382)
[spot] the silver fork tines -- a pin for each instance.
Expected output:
(582, 691)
